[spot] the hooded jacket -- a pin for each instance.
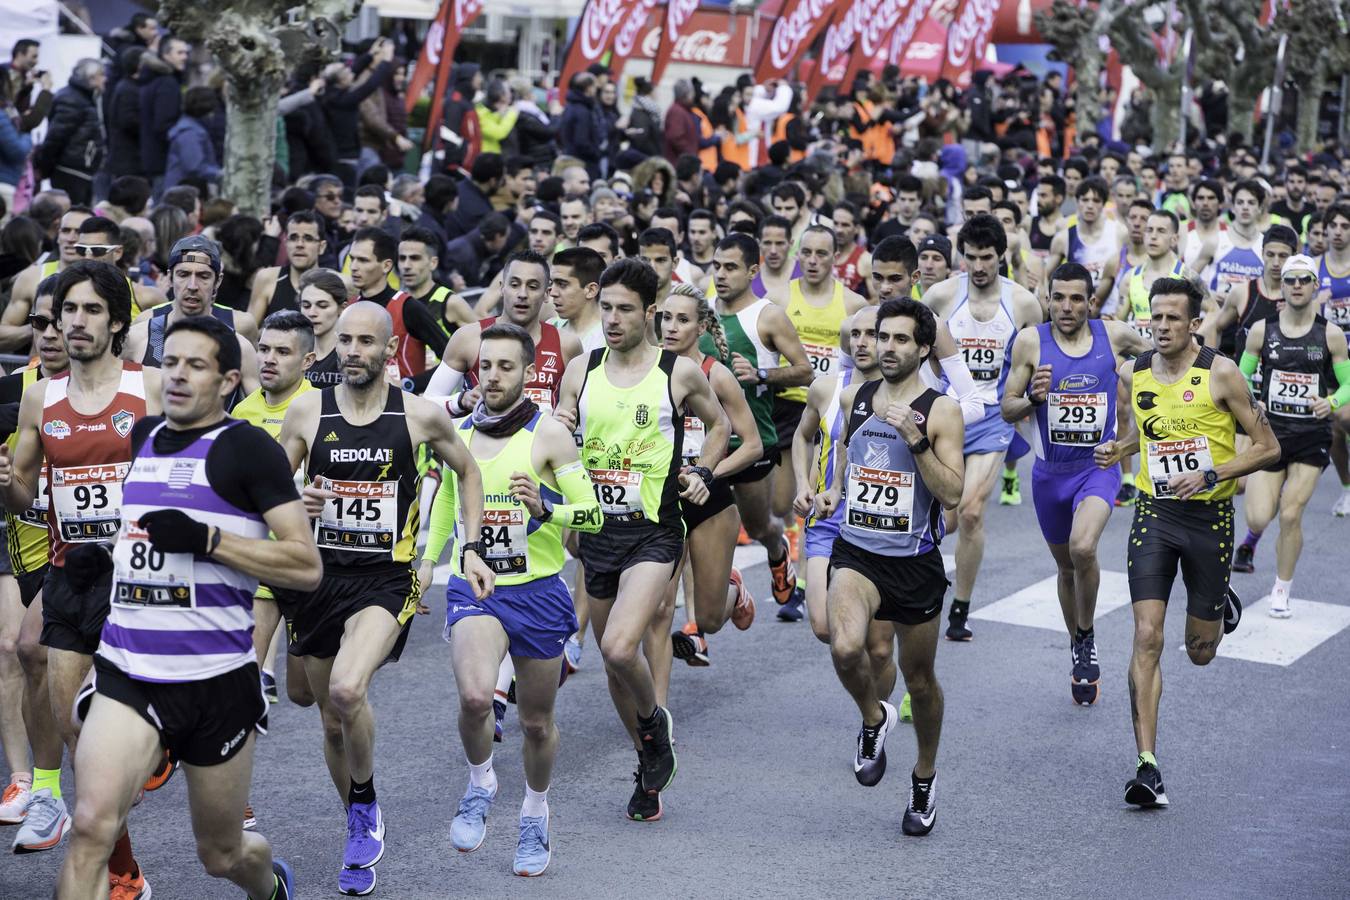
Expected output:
(161, 97)
(190, 153)
(123, 119)
(459, 116)
(579, 132)
(74, 139)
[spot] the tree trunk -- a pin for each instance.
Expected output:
(250, 145)
(1166, 117)
(1309, 105)
(1242, 111)
(1087, 87)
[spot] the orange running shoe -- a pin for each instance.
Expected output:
(160, 777)
(784, 574)
(743, 539)
(250, 820)
(743, 613)
(793, 535)
(128, 887)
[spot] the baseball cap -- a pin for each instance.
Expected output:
(939, 244)
(198, 249)
(1281, 234)
(1299, 262)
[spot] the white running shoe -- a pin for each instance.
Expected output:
(1342, 507)
(14, 802)
(1279, 605)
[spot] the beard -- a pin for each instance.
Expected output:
(369, 372)
(899, 368)
(507, 400)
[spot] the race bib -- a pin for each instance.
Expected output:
(821, 357)
(1336, 309)
(88, 501)
(880, 500)
(1144, 328)
(363, 517)
(143, 576)
(694, 435)
(984, 357)
(1167, 459)
(506, 541)
(1293, 393)
(619, 492)
(1077, 420)
(36, 514)
(542, 397)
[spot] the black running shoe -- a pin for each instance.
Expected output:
(642, 806)
(1145, 789)
(1087, 673)
(921, 814)
(511, 692)
(956, 621)
(658, 752)
(869, 761)
(1232, 611)
(1126, 495)
(792, 610)
(1242, 561)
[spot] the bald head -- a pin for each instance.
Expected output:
(365, 317)
(365, 344)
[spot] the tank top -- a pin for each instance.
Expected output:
(548, 366)
(516, 546)
(1091, 254)
(435, 301)
(325, 372)
(831, 424)
(1080, 411)
(284, 294)
(87, 458)
(742, 334)
(255, 409)
(694, 430)
(1040, 241)
(591, 340)
(372, 522)
(1180, 428)
(177, 617)
(1295, 371)
(26, 534)
(411, 356)
(1233, 264)
(1193, 244)
(1259, 308)
(159, 324)
(631, 444)
(847, 271)
(1140, 311)
(1334, 295)
(818, 327)
(888, 509)
(984, 344)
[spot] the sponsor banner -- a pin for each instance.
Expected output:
(792, 34)
(679, 14)
(967, 37)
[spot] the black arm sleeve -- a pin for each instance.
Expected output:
(141, 430)
(421, 324)
(250, 470)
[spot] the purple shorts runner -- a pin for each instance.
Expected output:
(1057, 495)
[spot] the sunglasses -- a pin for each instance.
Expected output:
(41, 323)
(95, 250)
(1292, 280)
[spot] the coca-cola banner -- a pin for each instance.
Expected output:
(679, 13)
(709, 38)
(628, 38)
(916, 14)
(793, 31)
(596, 31)
(438, 54)
(967, 37)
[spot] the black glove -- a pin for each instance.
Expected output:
(174, 531)
(86, 564)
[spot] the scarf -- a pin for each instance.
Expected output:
(505, 424)
(529, 107)
(647, 105)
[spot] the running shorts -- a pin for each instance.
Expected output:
(320, 618)
(537, 616)
(30, 584)
(72, 621)
(820, 534)
(989, 435)
(757, 470)
(605, 555)
(1198, 535)
(787, 415)
(1312, 449)
(1057, 495)
(910, 587)
(719, 498)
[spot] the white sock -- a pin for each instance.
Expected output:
(505, 672)
(482, 775)
(1282, 587)
(535, 805)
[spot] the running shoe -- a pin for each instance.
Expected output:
(658, 752)
(498, 719)
(869, 762)
(690, 646)
(285, 889)
(1087, 674)
(269, 686)
(1342, 507)
(792, 610)
(1145, 789)
(128, 887)
(1242, 560)
(1279, 605)
(365, 836)
(906, 714)
(1232, 611)
(356, 882)
(784, 575)
(14, 802)
(572, 653)
(160, 777)
(533, 850)
(511, 692)
(44, 825)
(1011, 495)
(743, 539)
(921, 813)
(743, 612)
(956, 621)
(792, 534)
(1126, 495)
(470, 825)
(642, 806)
(250, 820)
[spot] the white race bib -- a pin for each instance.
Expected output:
(619, 492)
(880, 500)
(37, 513)
(88, 501)
(1293, 393)
(1337, 310)
(694, 435)
(821, 357)
(506, 541)
(363, 517)
(542, 397)
(1167, 459)
(1077, 420)
(984, 357)
(143, 576)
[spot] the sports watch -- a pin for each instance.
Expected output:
(763, 375)
(1211, 478)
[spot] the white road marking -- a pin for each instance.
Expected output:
(1281, 642)
(1037, 606)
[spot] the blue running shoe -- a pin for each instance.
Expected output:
(572, 653)
(470, 825)
(365, 836)
(498, 720)
(533, 851)
(792, 610)
(356, 882)
(285, 888)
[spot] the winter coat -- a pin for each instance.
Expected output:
(190, 153)
(308, 145)
(496, 126)
(473, 206)
(458, 115)
(681, 132)
(341, 108)
(536, 134)
(644, 126)
(124, 128)
(579, 132)
(161, 97)
(14, 149)
(74, 134)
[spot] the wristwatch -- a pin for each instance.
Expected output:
(547, 514)
(475, 546)
(702, 472)
(763, 375)
(922, 445)
(1211, 478)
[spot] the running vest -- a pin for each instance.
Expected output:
(847, 271)
(831, 425)
(888, 508)
(1080, 411)
(325, 372)
(1091, 254)
(516, 546)
(411, 356)
(435, 301)
(1040, 241)
(178, 617)
(632, 440)
(591, 340)
(87, 458)
(985, 344)
(1140, 310)
(372, 522)
(284, 294)
(1259, 308)
(1180, 428)
(1295, 371)
(26, 534)
(548, 366)
(256, 410)
(1334, 295)
(1233, 264)
(1193, 243)
(742, 333)
(694, 431)
(818, 327)
(159, 324)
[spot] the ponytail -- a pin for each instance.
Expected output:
(708, 318)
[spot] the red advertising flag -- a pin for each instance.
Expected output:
(967, 38)
(440, 53)
(430, 57)
(874, 37)
(596, 29)
(793, 31)
(916, 13)
(678, 14)
(628, 39)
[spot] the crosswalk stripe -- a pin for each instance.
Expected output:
(1037, 605)
(1280, 642)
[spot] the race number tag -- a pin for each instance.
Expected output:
(36, 514)
(88, 501)
(984, 357)
(363, 517)
(542, 397)
(619, 492)
(880, 500)
(1167, 459)
(143, 576)
(1293, 393)
(1144, 327)
(694, 435)
(821, 357)
(1336, 309)
(506, 541)
(1077, 420)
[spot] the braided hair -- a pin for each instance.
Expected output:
(708, 318)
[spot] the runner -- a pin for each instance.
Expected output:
(101, 241)
(657, 248)
(702, 240)
(1064, 373)
(418, 260)
(1252, 301)
(1333, 273)
(1091, 240)
(902, 462)
(682, 271)
(372, 258)
(852, 264)
(603, 239)
(323, 294)
(625, 401)
(13, 323)
(1204, 229)
(1186, 401)
(357, 443)
(84, 497)
(278, 287)
(777, 267)
(201, 497)
(1161, 261)
(534, 486)
(1300, 355)
(983, 312)
(1133, 252)
(935, 263)
(1236, 260)
(1047, 223)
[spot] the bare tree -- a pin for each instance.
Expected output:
(1319, 51)
(258, 43)
(1076, 33)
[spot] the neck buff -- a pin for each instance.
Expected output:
(505, 424)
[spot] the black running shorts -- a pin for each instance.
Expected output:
(319, 619)
(719, 498)
(604, 556)
(911, 587)
(1198, 535)
(72, 621)
(787, 416)
(30, 584)
(758, 470)
(1309, 448)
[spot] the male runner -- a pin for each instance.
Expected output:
(1064, 373)
(777, 266)
(418, 259)
(357, 442)
(1253, 301)
(14, 332)
(934, 263)
(983, 312)
(1236, 259)
(1161, 261)
(323, 296)
(658, 249)
(1299, 355)
(626, 402)
(101, 241)
(78, 425)
(682, 270)
(574, 288)
(603, 239)
(1133, 252)
(534, 486)
(1333, 273)
(901, 463)
(575, 214)
(372, 257)
(1047, 223)
(175, 668)
(1204, 229)
(1092, 240)
(544, 233)
(852, 264)
(1187, 402)
(702, 240)
(278, 287)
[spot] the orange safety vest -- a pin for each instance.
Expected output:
(734, 152)
(780, 134)
(708, 155)
(878, 143)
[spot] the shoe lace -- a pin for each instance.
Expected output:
(867, 741)
(42, 812)
(531, 834)
(1089, 651)
(474, 803)
(359, 821)
(919, 796)
(12, 791)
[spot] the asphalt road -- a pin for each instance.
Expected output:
(1030, 786)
